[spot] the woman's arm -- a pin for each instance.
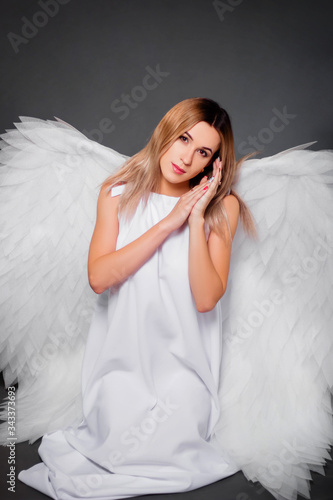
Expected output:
(209, 261)
(106, 265)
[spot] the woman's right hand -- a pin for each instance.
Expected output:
(182, 210)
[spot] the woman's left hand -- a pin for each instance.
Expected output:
(210, 186)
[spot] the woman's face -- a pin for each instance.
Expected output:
(187, 157)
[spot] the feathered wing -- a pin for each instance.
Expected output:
(50, 178)
(277, 363)
(277, 370)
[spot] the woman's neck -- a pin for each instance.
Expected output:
(170, 189)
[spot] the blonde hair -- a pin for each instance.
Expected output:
(141, 172)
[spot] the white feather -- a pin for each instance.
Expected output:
(277, 364)
(50, 177)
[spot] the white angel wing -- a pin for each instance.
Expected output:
(50, 177)
(277, 356)
(277, 364)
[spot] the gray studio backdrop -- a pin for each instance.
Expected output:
(112, 68)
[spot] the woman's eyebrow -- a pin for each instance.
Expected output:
(202, 147)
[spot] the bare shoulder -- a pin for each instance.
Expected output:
(231, 205)
(108, 193)
(106, 200)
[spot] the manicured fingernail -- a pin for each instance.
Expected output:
(205, 188)
(219, 169)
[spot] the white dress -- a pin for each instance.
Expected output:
(150, 385)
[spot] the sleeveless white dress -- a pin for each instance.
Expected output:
(150, 384)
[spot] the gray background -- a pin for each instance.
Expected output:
(255, 57)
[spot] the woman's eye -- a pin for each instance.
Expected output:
(202, 152)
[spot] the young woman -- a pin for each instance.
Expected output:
(151, 368)
(162, 411)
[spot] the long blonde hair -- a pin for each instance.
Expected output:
(141, 172)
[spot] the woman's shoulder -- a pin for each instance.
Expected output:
(111, 191)
(232, 208)
(231, 202)
(108, 200)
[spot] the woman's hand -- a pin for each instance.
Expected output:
(192, 205)
(181, 211)
(209, 189)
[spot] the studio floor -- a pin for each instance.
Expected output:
(235, 487)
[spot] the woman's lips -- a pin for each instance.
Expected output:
(177, 169)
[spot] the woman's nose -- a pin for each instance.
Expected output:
(187, 156)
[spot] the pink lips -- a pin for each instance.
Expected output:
(177, 169)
